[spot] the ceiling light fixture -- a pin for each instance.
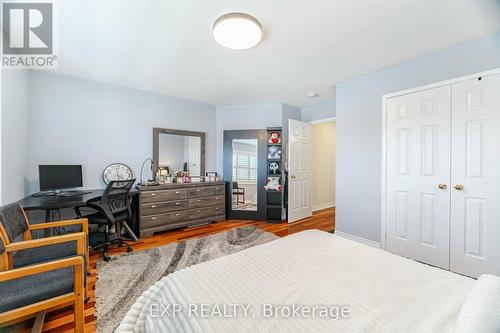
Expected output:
(237, 31)
(313, 94)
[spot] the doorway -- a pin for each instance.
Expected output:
(323, 164)
(245, 172)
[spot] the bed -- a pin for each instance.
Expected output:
(315, 270)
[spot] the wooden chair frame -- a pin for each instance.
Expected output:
(47, 225)
(76, 297)
(237, 191)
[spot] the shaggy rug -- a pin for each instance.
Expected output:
(125, 277)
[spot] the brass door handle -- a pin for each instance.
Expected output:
(442, 186)
(459, 187)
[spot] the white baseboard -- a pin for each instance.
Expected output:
(323, 206)
(358, 239)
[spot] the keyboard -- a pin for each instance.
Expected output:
(67, 194)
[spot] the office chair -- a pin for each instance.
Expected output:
(113, 208)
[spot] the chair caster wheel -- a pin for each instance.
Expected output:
(129, 249)
(106, 258)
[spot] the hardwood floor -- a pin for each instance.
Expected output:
(62, 320)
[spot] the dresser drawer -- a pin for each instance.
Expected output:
(207, 212)
(206, 201)
(163, 207)
(219, 190)
(163, 219)
(207, 191)
(163, 195)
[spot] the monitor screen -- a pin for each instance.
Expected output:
(55, 177)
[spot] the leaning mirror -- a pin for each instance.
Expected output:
(244, 169)
(177, 151)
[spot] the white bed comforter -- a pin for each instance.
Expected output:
(384, 292)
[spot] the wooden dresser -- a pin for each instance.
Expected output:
(172, 206)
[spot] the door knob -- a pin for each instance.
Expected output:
(442, 186)
(293, 177)
(459, 187)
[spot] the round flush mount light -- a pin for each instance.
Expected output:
(237, 31)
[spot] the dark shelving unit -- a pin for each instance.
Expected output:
(275, 169)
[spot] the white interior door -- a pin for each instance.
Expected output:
(193, 151)
(299, 170)
(475, 209)
(418, 175)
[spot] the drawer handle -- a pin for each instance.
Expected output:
(216, 188)
(198, 211)
(177, 192)
(216, 198)
(153, 194)
(153, 218)
(177, 203)
(197, 200)
(153, 206)
(216, 208)
(177, 214)
(198, 190)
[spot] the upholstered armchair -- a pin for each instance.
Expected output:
(14, 224)
(34, 289)
(38, 275)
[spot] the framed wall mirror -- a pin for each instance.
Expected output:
(176, 150)
(245, 166)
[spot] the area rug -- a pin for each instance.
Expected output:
(125, 277)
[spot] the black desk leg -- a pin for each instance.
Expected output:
(48, 218)
(48, 232)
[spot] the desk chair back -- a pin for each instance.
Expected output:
(116, 198)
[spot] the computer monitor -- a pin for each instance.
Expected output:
(57, 177)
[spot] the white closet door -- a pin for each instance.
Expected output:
(299, 168)
(418, 175)
(475, 209)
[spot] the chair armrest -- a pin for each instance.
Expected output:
(83, 222)
(40, 268)
(79, 237)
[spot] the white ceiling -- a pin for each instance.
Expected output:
(166, 46)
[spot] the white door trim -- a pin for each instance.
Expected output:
(323, 120)
(384, 137)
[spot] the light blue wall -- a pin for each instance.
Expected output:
(241, 117)
(74, 121)
(14, 135)
(324, 110)
(359, 125)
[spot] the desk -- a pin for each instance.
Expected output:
(52, 203)
(49, 203)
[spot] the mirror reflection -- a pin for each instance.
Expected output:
(179, 153)
(244, 189)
